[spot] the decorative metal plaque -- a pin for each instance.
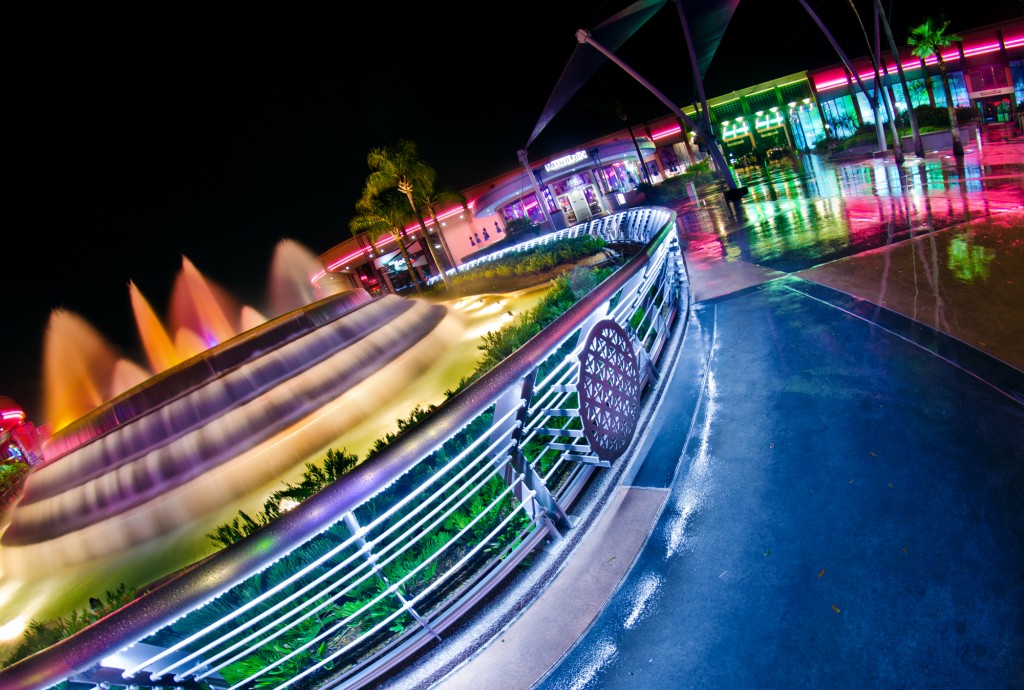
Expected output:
(609, 390)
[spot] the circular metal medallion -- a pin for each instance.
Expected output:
(609, 390)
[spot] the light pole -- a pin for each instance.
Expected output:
(640, 156)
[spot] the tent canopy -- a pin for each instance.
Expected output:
(707, 20)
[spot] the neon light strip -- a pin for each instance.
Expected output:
(667, 132)
(825, 86)
(981, 50)
(388, 239)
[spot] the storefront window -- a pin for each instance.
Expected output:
(552, 208)
(841, 116)
(918, 92)
(808, 127)
(669, 161)
(572, 182)
(956, 86)
(532, 208)
(1017, 70)
(866, 112)
(988, 77)
(527, 207)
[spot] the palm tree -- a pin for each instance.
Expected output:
(385, 213)
(929, 39)
(398, 166)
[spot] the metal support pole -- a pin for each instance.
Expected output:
(734, 192)
(896, 144)
(536, 188)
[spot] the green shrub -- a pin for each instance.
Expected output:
(931, 118)
(536, 260)
(520, 229)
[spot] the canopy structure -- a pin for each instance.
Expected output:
(707, 19)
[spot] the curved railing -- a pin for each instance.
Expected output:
(360, 576)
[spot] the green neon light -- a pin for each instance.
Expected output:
(764, 123)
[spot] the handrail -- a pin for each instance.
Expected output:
(211, 578)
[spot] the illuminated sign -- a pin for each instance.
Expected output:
(773, 120)
(737, 130)
(565, 161)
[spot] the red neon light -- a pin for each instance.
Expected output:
(389, 238)
(982, 49)
(830, 85)
(667, 132)
(10, 418)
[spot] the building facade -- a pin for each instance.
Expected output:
(793, 113)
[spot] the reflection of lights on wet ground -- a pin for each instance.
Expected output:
(691, 494)
(642, 597)
(967, 261)
(601, 656)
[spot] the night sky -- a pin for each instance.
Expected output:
(134, 135)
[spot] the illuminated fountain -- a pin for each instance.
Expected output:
(227, 410)
(130, 488)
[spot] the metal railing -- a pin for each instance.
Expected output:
(360, 576)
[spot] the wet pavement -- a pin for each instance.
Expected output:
(840, 440)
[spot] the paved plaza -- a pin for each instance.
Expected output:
(829, 493)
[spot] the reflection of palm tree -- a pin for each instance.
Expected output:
(930, 266)
(929, 39)
(398, 167)
(385, 213)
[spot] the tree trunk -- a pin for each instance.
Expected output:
(408, 261)
(444, 242)
(426, 235)
(954, 126)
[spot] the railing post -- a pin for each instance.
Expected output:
(544, 507)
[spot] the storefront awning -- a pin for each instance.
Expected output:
(384, 258)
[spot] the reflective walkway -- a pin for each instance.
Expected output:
(838, 452)
(848, 507)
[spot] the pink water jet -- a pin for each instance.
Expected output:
(146, 455)
(81, 369)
